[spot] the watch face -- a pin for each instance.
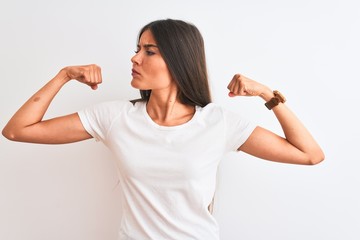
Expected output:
(279, 96)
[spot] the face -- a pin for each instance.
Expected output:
(150, 71)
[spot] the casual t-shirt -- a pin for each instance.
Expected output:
(167, 175)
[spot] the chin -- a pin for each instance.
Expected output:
(136, 85)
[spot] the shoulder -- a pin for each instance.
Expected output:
(210, 108)
(216, 113)
(212, 111)
(111, 106)
(114, 104)
(108, 109)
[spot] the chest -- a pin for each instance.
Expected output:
(152, 154)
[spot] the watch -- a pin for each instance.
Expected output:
(273, 102)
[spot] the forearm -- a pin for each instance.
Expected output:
(295, 132)
(298, 146)
(34, 109)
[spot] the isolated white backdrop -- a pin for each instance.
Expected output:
(308, 49)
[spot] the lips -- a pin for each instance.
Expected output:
(134, 72)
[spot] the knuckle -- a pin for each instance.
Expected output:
(95, 66)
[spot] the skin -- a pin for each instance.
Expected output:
(298, 146)
(150, 72)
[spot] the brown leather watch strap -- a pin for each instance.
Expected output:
(278, 98)
(272, 103)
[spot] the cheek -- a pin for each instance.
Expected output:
(162, 72)
(156, 73)
(163, 78)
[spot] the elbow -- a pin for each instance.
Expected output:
(316, 158)
(7, 133)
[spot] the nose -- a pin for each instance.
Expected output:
(136, 59)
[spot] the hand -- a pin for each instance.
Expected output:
(87, 74)
(243, 86)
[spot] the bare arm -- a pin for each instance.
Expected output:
(298, 146)
(27, 124)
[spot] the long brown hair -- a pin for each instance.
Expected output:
(182, 47)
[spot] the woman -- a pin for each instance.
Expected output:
(170, 142)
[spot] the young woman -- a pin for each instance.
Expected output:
(170, 142)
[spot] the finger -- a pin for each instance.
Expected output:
(231, 89)
(93, 76)
(87, 79)
(242, 89)
(230, 84)
(236, 89)
(99, 75)
(236, 85)
(233, 82)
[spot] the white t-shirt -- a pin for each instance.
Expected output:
(167, 174)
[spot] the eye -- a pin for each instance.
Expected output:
(137, 49)
(149, 53)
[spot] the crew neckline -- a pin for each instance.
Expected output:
(168, 128)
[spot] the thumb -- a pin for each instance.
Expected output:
(94, 87)
(231, 94)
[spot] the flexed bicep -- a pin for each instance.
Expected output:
(267, 145)
(59, 130)
(27, 124)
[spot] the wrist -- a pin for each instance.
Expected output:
(275, 100)
(63, 75)
(267, 94)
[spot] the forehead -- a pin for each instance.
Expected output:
(147, 38)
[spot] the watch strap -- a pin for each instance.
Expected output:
(274, 101)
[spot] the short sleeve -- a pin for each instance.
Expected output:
(237, 129)
(97, 119)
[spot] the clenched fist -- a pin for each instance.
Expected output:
(243, 86)
(87, 74)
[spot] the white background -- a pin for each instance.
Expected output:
(308, 49)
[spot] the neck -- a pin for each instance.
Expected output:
(167, 110)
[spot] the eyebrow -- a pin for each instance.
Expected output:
(148, 45)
